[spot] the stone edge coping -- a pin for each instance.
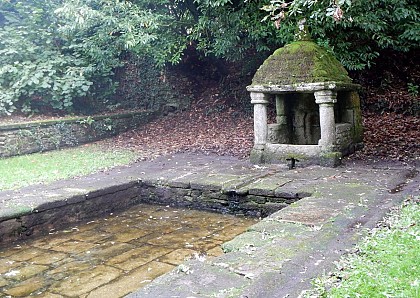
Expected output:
(114, 184)
(321, 243)
(303, 87)
(69, 120)
(28, 200)
(51, 198)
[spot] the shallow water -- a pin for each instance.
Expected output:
(114, 256)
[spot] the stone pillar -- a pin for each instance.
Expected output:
(260, 101)
(280, 109)
(326, 100)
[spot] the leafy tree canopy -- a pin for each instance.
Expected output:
(54, 52)
(356, 30)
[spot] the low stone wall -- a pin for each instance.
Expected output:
(344, 138)
(254, 202)
(67, 209)
(30, 137)
(343, 133)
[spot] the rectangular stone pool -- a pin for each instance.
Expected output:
(114, 255)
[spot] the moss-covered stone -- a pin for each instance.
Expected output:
(300, 62)
(358, 126)
(256, 156)
(330, 159)
(45, 135)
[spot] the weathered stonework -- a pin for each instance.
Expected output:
(300, 62)
(82, 207)
(37, 136)
(318, 109)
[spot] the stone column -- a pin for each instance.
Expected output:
(326, 100)
(260, 101)
(280, 109)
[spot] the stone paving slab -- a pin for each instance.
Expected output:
(198, 174)
(199, 279)
(277, 257)
(117, 253)
(266, 186)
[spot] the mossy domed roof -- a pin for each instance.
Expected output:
(300, 62)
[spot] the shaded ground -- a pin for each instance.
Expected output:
(219, 119)
(210, 125)
(390, 136)
(214, 125)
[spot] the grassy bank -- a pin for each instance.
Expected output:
(19, 171)
(386, 264)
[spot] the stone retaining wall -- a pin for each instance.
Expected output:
(66, 209)
(30, 137)
(343, 133)
(206, 197)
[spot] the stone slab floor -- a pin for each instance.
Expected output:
(114, 256)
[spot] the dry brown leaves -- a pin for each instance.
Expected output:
(208, 126)
(390, 136)
(203, 128)
(229, 132)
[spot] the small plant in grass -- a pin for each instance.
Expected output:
(88, 121)
(20, 171)
(386, 263)
(413, 89)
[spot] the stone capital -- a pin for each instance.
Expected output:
(259, 98)
(325, 96)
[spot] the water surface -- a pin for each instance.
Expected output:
(116, 255)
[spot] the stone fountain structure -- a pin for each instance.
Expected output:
(318, 118)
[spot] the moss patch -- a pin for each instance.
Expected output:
(330, 159)
(300, 62)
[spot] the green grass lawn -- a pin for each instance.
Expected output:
(387, 263)
(19, 171)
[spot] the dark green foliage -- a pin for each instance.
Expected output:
(215, 28)
(33, 69)
(55, 52)
(357, 31)
(375, 26)
(144, 86)
(62, 53)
